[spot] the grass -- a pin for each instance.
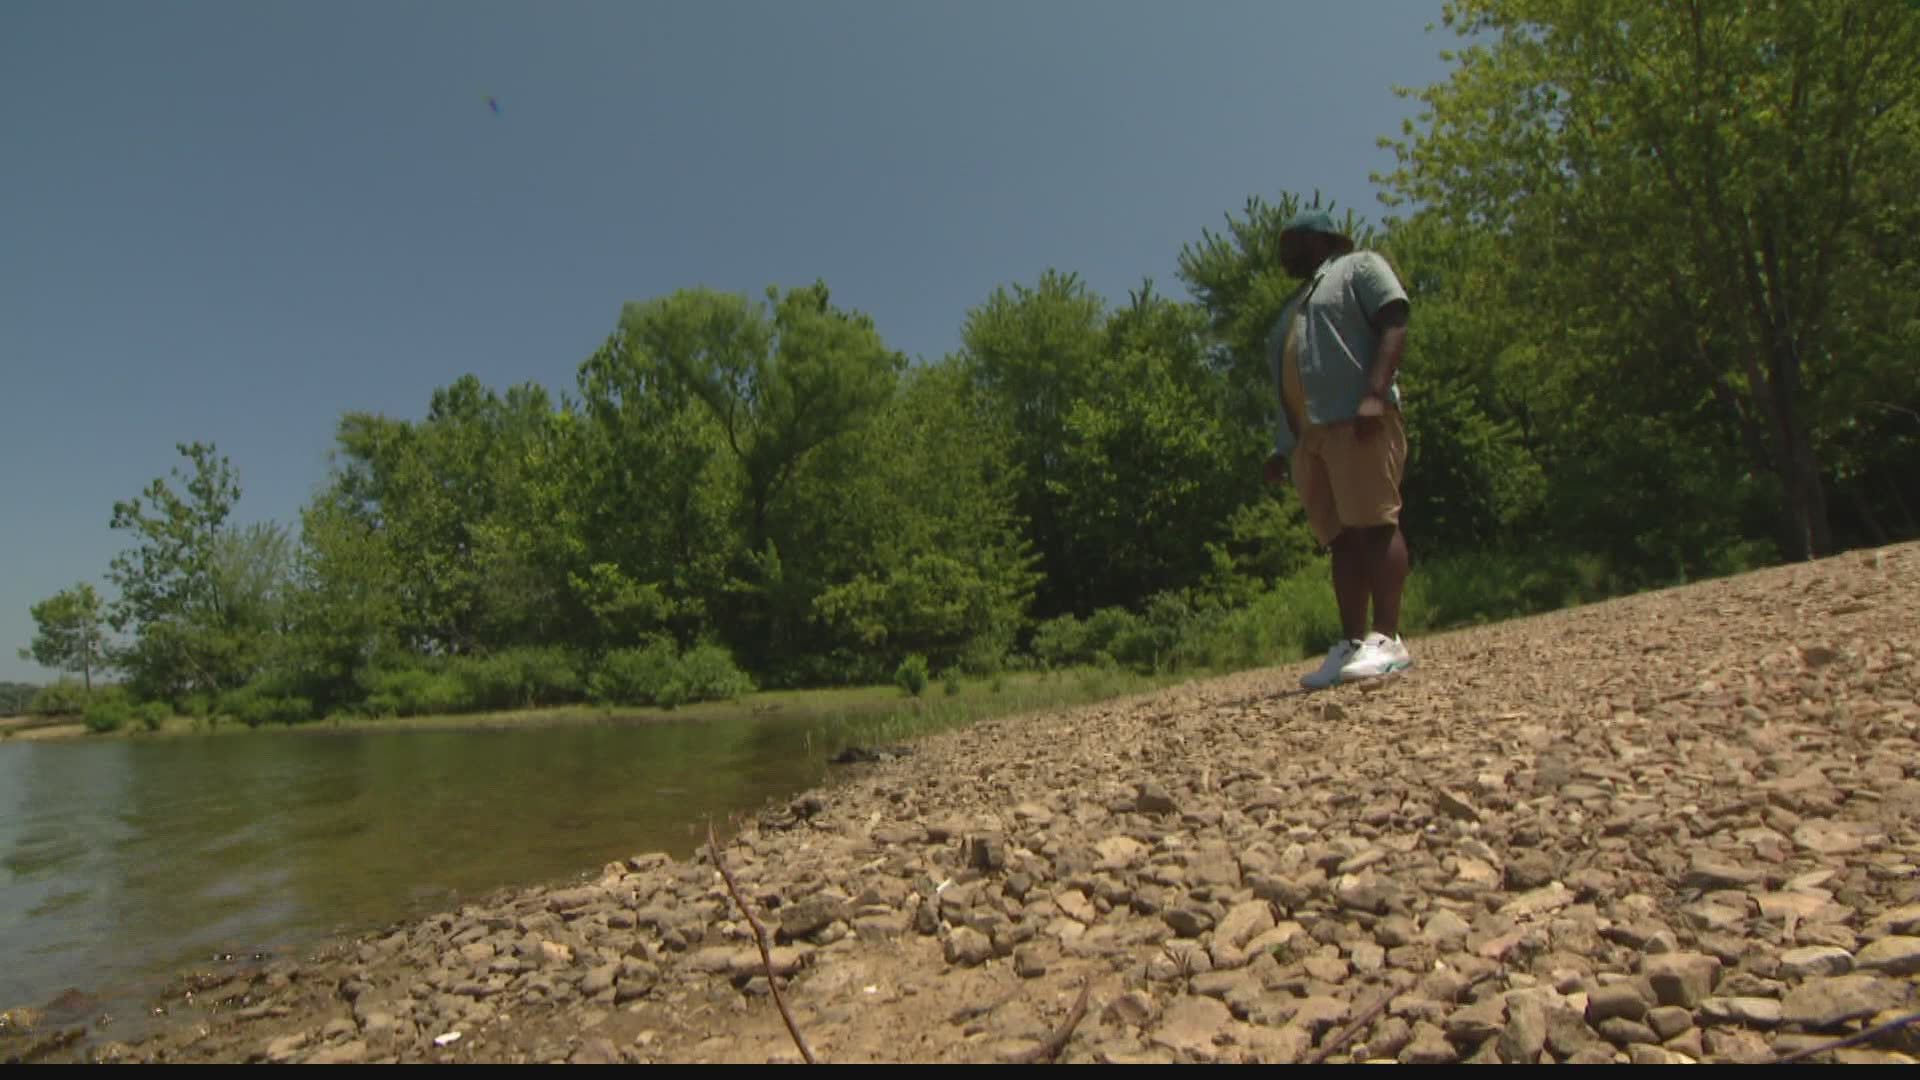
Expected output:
(865, 715)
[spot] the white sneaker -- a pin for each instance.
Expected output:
(1338, 657)
(1378, 655)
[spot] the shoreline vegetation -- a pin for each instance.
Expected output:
(1072, 662)
(881, 713)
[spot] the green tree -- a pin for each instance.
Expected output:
(1031, 352)
(785, 389)
(198, 597)
(473, 509)
(72, 632)
(1687, 188)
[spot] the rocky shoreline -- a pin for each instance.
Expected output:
(1683, 826)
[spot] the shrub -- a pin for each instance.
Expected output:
(519, 678)
(708, 673)
(1060, 642)
(415, 691)
(152, 714)
(911, 675)
(63, 698)
(108, 714)
(264, 702)
(643, 676)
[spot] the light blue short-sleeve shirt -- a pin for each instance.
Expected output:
(1339, 344)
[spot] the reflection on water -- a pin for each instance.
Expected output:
(123, 862)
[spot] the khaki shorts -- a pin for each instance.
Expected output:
(1346, 482)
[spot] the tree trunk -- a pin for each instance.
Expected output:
(1870, 521)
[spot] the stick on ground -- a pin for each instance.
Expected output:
(1057, 1041)
(1856, 1039)
(760, 939)
(1346, 1034)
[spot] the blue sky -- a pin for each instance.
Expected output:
(234, 221)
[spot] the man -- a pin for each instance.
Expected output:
(1334, 352)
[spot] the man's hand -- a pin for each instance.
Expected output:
(1367, 421)
(1275, 471)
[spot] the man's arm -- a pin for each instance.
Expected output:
(1390, 322)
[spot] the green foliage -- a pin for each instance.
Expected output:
(660, 675)
(62, 698)
(152, 714)
(267, 699)
(72, 633)
(1715, 280)
(414, 691)
(107, 713)
(16, 698)
(519, 678)
(1623, 369)
(911, 675)
(708, 673)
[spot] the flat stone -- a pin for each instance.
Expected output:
(349, 1053)
(1429, 1046)
(968, 947)
(1756, 1012)
(1153, 799)
(1656, 1055)
(746, 962)
(1815, 960)
(1830, 1002)
(1074, 905)
(1120, 852)
(1900, 920)
(1476, 1023)
(1682, 979)
(1135, 1007)
(572, 899)
(1548, 898)
(1477, 874)
(1525, 1034)
(810, 916)
(1619, 1001)
(1188, 922)
(1705, 871)
(1668, 1021)
(1893, 955)
(1444, 926)
(599, 978)
(1243, 923)
(1395, 931)
(1530, 871)
(281, 1050)
(1738, 1048)
(1029, 962)
(1368, 958)
(1824, 837)
(1456, 805)
(1321, 1013)
(1623, 1032)
(1190, 1025)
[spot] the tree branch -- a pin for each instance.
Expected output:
(1057, 1041)
(760, 939)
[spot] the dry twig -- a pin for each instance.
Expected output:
(1855, 1039)
(1345, 1035)
(760, 939)
(1056, 1042)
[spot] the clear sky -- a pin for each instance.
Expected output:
(234, 221)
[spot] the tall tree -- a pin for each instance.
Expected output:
(784, 387)
(1685, 184)
(72, 633)
(194, 594)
